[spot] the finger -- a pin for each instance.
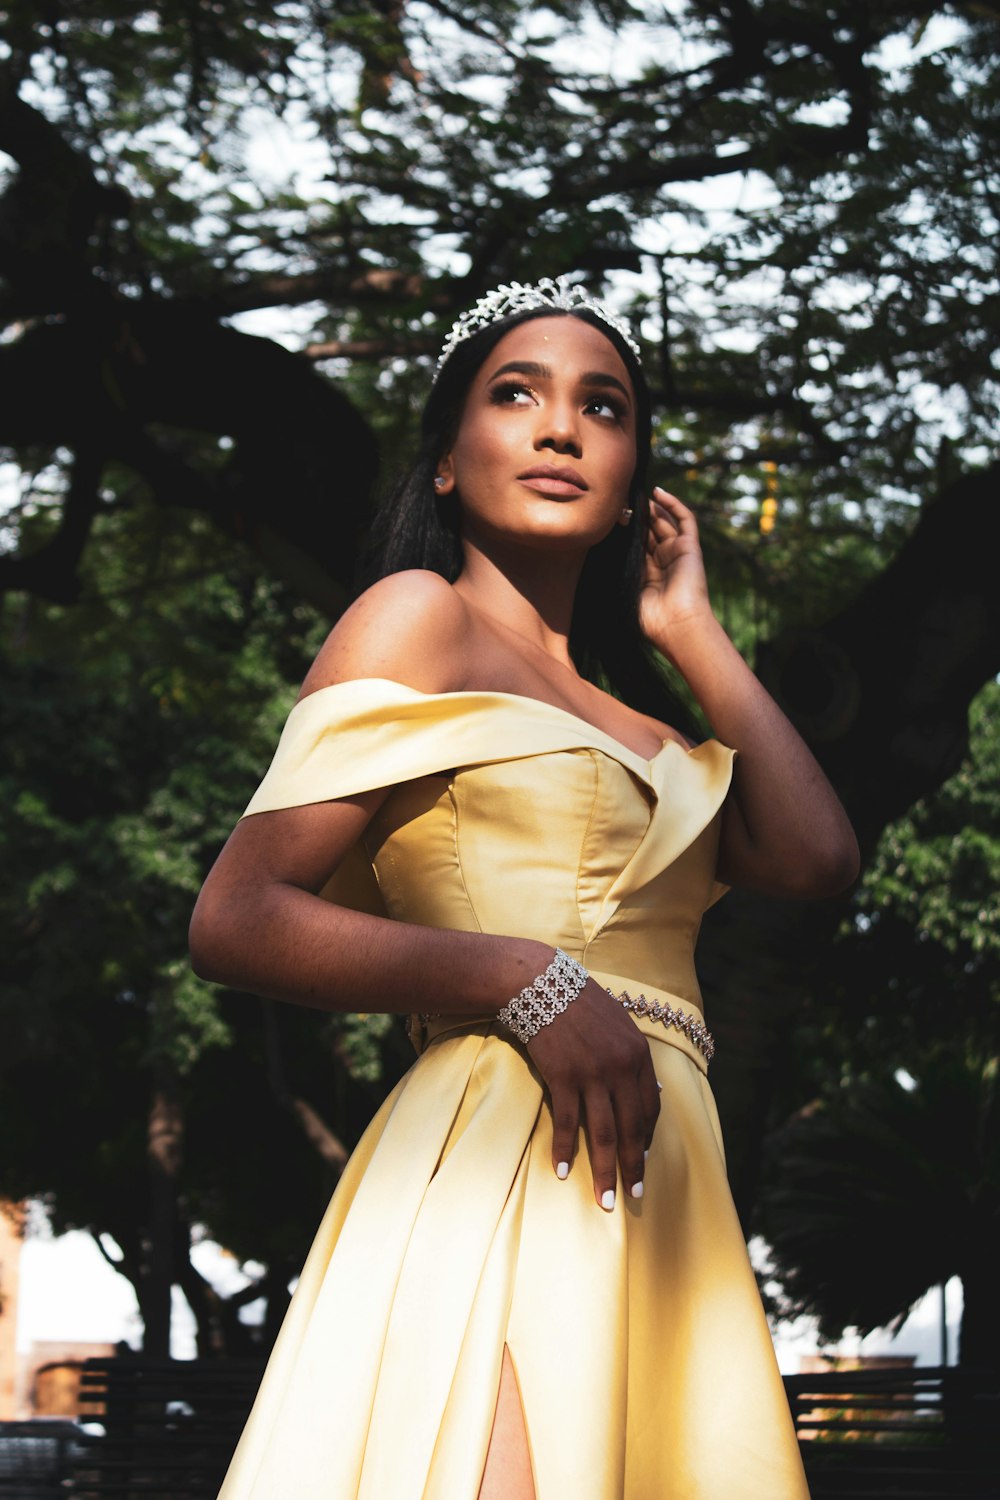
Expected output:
(682, 515)
(633, 1137)
(659, 547)
(602, 1143)
(664, 529)
(660, 519)
(565, 1128)
(649, 1099)
(670, 501)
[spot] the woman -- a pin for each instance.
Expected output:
(530, 1283)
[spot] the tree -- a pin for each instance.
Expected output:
(806, 346)
(887, 1180)
(811, 331)
(138, 1101)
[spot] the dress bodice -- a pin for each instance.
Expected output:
(514, 817)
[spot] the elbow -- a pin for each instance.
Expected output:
(209, 941)
(844, 862)
(200, 945)
(804, 868)
(832, 870)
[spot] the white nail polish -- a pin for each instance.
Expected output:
(659, 1085)
(562, 1170)
(608, 1201)
(637, 1190)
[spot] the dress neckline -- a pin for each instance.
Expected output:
(535, 703)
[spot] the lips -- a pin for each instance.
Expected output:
(554, 479)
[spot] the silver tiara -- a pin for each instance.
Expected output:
(517, 297)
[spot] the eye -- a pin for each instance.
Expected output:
(607, 407)
(512, 393)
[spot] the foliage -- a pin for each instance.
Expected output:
(137, 722)
(938, 869)
(888, 1181)
(802, 314)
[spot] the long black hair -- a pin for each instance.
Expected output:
(415, 527)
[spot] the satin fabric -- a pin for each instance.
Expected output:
(640, 1347)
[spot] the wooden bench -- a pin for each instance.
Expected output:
(36, 1457)
(170, 1425)
(920, 1434)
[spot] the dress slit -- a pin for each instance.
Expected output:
(516, 1464)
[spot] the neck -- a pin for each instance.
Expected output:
(531, 595)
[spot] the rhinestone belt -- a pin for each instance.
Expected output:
(696, 1031)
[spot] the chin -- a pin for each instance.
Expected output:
(554, 529)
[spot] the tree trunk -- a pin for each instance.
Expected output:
(166, 1133)
(979, 1335)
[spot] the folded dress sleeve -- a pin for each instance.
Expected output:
(352, 737)
(355, 736)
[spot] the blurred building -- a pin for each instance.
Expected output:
(45, 1380)
(11, 1238)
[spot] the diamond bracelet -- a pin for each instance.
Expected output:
(546, 997)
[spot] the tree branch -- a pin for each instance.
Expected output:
(316, 1131)
(297, 483)
(341, 286)
(371, 348)
(49, 212)
(51, 572)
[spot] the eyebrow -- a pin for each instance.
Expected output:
(544, 372)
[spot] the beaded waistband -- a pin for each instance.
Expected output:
(694, 1029)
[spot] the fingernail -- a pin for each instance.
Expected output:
(562, 1170)
(637, 1190)
(608, 1201)
(659, 1085)
(645, 1156)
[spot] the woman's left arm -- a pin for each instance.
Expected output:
(784, 831)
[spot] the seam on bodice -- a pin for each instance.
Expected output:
(584, 844)
(457, 843)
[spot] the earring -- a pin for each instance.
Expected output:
(627, 513)
(438, 481)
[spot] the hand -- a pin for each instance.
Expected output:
(674, 590)
(597, 1067)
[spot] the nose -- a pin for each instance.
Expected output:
(559, 428)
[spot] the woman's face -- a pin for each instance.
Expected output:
(546, 449)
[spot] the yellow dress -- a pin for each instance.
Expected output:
(641, 1350)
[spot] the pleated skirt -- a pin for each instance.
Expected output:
(641, 1350)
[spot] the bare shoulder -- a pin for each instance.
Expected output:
(409, 628)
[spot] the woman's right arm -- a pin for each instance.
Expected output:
(260, 924)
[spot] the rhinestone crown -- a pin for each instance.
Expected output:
(504, 301)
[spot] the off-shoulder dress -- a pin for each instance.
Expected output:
(642, 1355)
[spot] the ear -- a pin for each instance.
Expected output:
(445, 471)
